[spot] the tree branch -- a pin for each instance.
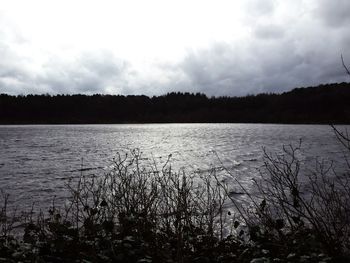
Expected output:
(346, 68)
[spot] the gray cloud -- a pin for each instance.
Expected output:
(299, 59)
(95, 72)
(334, 13)
(278, 54)
(269, 32)
(13, 74)
(89, 72)
(260, 8)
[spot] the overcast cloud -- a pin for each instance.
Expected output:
(266, 46)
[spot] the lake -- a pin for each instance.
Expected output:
(36, 161)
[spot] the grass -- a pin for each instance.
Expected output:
(138, 212)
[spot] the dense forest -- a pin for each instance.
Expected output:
(322, 104)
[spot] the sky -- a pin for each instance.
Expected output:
(133, 47)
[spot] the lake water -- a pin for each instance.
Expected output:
(36, 162)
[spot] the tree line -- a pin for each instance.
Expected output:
(326, 104)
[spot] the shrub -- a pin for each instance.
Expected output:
(303, 209)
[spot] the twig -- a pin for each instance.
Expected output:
(346, 68)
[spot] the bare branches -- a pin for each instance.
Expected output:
(343, 137)
(320, 199)
(346, 68)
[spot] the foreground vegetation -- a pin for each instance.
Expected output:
(139, 213)
(301, 105)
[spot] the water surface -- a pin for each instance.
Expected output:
(36, 161)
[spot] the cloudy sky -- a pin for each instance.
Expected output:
(218, 47)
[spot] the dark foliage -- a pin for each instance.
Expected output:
(323, 104)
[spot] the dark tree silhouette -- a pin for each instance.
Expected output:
(328, 104)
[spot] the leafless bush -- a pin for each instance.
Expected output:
(137, 199)
(291, 200)
(9, 220)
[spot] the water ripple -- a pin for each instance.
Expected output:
(40, 159)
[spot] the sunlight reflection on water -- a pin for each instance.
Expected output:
(37, 161)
